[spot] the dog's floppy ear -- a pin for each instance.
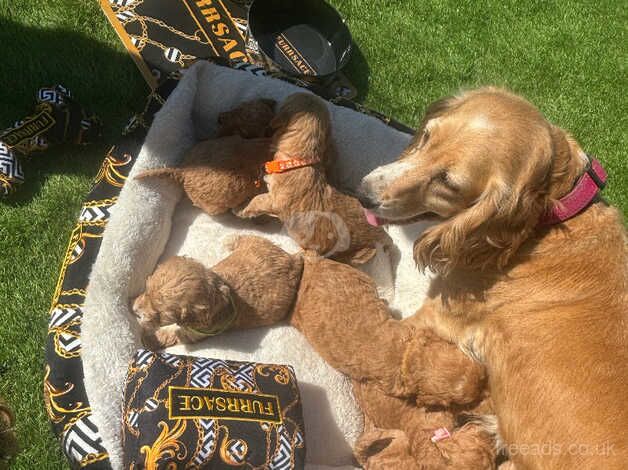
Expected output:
(444, 246)
(568, 163)
(494, 227)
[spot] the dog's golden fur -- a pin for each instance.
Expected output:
(257, 282)
(545, 309)
(223, 173)
(316, 215)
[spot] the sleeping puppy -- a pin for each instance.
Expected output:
(532, 272)
(249, 120)
(396, 370)
(400, 435)
(316, 216)
(184, 302)
(220, 174)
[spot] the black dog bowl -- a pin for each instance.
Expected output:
(302, 37)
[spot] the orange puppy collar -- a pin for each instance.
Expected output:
(280, 166)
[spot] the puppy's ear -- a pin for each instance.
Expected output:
(278, 122)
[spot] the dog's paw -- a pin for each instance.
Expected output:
(161, 338)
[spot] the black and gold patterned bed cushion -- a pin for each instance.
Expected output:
(191, 412)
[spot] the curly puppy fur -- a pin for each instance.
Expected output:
(398, 368)
(249, 120)
(399, 435)
(544, 308)
(317, 216)
(258, 279)
(223, 173)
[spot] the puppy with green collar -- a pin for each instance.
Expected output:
(184, 302)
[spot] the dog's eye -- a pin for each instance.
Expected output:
(444, 178)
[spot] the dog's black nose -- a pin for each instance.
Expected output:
(367, 201)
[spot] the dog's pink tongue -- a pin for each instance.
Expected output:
(372, 219)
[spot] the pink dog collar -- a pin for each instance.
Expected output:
(587, 187)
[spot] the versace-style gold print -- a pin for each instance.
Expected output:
(166, 446)
(110, 169)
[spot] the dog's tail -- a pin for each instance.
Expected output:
(172, 173)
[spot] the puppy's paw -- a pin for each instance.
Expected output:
(161, 338)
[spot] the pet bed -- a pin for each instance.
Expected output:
(149, 221)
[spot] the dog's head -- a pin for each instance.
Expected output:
(181, 291)
(486, 165)
(302, 127)
(249, 120)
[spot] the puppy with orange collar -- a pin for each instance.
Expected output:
(316, 215)
(223, 173)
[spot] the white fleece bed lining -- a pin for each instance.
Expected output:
(151, 221)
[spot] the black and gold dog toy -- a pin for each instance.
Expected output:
(57, 118)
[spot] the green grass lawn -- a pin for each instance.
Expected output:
(568, 57)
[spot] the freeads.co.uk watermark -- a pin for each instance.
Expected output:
(601, 449)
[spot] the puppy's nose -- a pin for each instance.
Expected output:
(367, 201)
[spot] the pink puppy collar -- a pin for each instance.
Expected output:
(440, 434)
(586, 188)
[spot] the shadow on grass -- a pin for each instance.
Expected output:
(104, 80)
(358, 72)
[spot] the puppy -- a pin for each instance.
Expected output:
(532, 272)
(316, 216)
(397, 371)
(184, 302)
(399, 434)
(220, 174)
(249, 120)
